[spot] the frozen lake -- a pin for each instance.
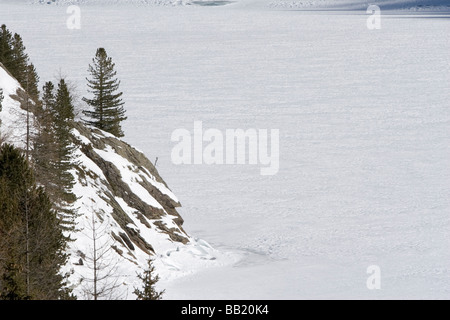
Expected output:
(364, 120)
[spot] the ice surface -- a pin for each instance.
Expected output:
(364, 123)
(395, 5)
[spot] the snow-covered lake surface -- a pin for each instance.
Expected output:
(364, 120)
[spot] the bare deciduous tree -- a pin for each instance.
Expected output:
(101, 262)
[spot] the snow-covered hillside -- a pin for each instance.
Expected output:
(12, 114)
(118, 187)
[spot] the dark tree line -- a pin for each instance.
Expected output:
(16, 60)
(33, 246)
(105, 108)
(36, 217)
(53, 149)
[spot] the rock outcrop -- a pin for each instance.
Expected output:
(120, 197)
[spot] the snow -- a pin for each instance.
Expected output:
(80, 137)
(364, 140)
(172, 259)
(160, 186)
(128, 176)
(385, 5)
(7, 83)
(12, 116)
(395, 5)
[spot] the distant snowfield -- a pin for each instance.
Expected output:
(364, 123)
(391, 5)
(401, 5)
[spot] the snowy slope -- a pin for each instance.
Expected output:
(132, 206)
(14, 118)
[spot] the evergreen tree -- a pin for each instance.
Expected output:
(62, 115)
(149, 281)
(48, 250)
(6, 54)
(31, 83)
(45, 145)
(63, 107)
(32, 242)
(12, 281)
(48, 95)
(16, 61)
(107, 106)
(19, 63)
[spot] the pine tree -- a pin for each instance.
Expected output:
(6, 54)
(32, 242)
(149, 281)
(48, 246)
(107, 105)
(48, 95)
(62, 115)
(63, 106)
(12, 282)
(45, 146)
(32, 82)
(19, 63)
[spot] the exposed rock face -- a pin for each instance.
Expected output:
(118, 186)
(141, 167)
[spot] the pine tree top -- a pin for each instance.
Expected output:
(149, 280)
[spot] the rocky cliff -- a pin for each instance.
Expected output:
(123, 205)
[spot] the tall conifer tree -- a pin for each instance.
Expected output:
(63, 115)
(6, 54)
(45, 144)
(53, 150)
(107, 110)
(32, 82)
(19, 63)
